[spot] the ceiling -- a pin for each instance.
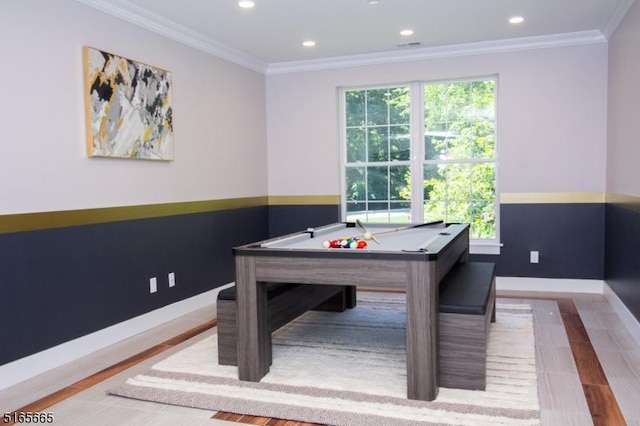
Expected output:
(269, 36)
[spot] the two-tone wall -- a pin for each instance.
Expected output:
(80, 238)
(568, 175)
(622, 264)
(94, 271)
(567, 230)
(551, 147)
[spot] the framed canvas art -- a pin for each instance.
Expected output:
(129, 112)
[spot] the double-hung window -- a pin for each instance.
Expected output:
(422, 152)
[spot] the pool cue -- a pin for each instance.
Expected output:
(402, 228)
(364, 228)
(389, 231)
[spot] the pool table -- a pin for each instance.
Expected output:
(413, 257)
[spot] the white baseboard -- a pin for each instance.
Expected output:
(573, 286)
(623, 312)
(554, 285)
(41, 362)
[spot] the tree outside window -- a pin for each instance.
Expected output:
(446, 172)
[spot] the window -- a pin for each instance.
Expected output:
(378, 155)
(422, 152)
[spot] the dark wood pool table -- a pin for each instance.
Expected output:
(410, 257)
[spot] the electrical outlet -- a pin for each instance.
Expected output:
(172, 279)
(153, 285)
(534, 257)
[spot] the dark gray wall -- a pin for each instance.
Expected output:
(60, 284)
(287, 219)
(568, 236)
(622, 255)
(575, 241)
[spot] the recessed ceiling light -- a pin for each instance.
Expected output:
(308, 43)
(406, 32)
(246, 4)
(516, 20)
(373, 1)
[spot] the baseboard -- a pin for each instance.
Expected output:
(41, 362)
(549, 285)
(629, 320)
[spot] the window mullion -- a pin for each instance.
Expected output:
(448, 102)
(416, 125)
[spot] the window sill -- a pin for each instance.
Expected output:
(477, 247)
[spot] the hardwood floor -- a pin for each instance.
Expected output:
(83, 401)
(602, 404)
(48, 401)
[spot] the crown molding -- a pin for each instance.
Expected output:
(467, 49)
(145, 19)
(616, 18)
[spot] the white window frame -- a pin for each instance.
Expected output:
(417, 161)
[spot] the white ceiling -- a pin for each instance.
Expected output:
(269, 37)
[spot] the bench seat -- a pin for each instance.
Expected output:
(285, 303)
(467, 306)
(467, 297)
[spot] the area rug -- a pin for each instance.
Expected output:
(350, 369)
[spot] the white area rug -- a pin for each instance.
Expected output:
(349, 369)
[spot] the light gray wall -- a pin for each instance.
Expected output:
(622, 243)
(623, 141)
(44, 166)
(551, 118)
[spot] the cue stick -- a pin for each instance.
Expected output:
(402, 228)
(361, 225)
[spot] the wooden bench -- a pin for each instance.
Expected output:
(285, 303)
(467, 305)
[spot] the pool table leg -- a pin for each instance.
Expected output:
(422, 317)
(254, 336)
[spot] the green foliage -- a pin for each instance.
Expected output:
(459, 145)
(459, 171)
(377, 132)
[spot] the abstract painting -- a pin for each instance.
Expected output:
(129, 112)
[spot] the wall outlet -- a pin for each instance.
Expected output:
(534, 257)
(172, 279)
(153, 285)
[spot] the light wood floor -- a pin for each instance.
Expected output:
(588, 371)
